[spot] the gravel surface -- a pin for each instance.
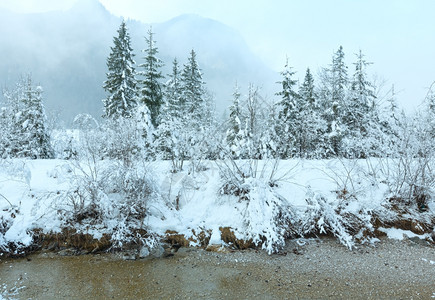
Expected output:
(306, 269)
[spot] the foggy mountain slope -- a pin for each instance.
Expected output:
(222, 52)
(66, 53)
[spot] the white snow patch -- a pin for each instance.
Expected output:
(400, 234)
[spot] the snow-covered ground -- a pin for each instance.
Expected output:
(308, 196)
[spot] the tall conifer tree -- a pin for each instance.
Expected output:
(121, 81)
(151, 93)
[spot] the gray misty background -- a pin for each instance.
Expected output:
(66, 51)
(66, 48)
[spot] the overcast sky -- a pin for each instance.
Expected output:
(397, 36)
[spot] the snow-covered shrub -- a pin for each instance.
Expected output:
(410, 174)
(7, 218)
(14, 238)
(113, 196)
(268, 216)
(65, 143)
(323, 217)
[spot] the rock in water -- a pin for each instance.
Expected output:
(157, 251)
(144, 252)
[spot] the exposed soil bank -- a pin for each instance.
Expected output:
(319, 269)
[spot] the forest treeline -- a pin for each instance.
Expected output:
(337, 114)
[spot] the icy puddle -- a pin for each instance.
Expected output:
(312, 269)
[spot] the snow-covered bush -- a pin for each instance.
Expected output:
(323, 217)
(13, 238)
(268, 217)
(111, 195)
(124, 139)
(410, 174)
(7, 218)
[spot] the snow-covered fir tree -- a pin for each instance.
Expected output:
(332, 94)
(306, 91)
(198, 116)
(150, 90)
(361, 99)
(173, 93)
(287, 113)
(360, 114)
(7, 125)
(430, 104)
(311, 128)
(339, 78)
(121, 83)
(193, 89)
(234, 138)
(171, 133)
(27, 123)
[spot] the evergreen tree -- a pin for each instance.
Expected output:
(27, 130)
(362, 98)
(193, 89)
(311, 127)
(7, 125)
(339, 78)
(306, 92)
(287, 113)
(234, 135)
(389, 124)
(170, 119)
(430, 99)
(332, 95)
(121, 79)
(360, 113)
(151, 93)
(173, 95)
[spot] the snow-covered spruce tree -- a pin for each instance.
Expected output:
(234, 138)
(171, 135)
(359, 113)
(173, 93)
(7, 121)
(340, 79)
(430, 99)
(332, 94)
(27, 128)
(390, 119)
(287, 113)
(312, 128)
(121, 81)
(37, 137)
(150, 87)
(193, 90)
(197, 114)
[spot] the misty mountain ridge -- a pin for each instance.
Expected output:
(66, 52)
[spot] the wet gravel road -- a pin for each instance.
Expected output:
(319, 269)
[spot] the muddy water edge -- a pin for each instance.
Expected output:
(318, 269)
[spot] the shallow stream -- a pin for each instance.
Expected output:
(318, 269)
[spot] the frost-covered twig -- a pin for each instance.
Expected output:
(6, 200)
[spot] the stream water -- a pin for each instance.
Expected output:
(319, 269)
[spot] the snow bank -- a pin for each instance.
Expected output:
(293, 197)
